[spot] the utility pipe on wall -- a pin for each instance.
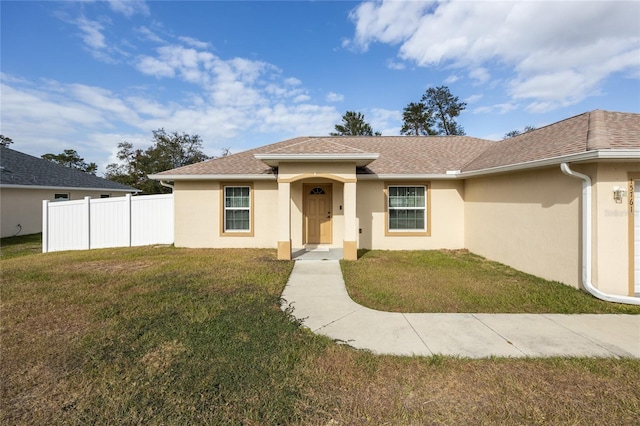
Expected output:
(586, 241)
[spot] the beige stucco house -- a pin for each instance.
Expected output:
(556, 202)
(25, 181)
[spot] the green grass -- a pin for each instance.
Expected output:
(459, 281)
(167, 336)
(20, 246)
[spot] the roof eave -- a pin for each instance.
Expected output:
(235, 177)
(409, 176)
(606, 154)
(67, 188)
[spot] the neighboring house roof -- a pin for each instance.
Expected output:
(21, 170)
(435, 155)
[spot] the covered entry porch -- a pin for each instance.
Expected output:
(317, 214)
(317, 202)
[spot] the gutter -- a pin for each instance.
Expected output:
(232, 177)
(166, 185)
(586, 241)
(67, 188)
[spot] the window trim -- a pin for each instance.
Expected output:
(236, 233)
(57, 198)
(408, 233)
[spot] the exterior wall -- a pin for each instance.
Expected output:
(316, 170)
(446, 210)
(198, 216)
(24, 207)
(612, 236)
(528, 220)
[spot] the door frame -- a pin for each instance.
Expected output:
(306, 187)
(631, 210)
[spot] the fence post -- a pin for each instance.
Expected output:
(129, 218)
(87, 201)
(45, 226)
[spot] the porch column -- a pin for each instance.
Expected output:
(284, 221)
(350, 245)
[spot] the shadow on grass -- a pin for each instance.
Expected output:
(21, 245)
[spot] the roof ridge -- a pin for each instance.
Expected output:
(597, 137)
(324, 139)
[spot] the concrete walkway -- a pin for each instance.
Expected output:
(317, 293)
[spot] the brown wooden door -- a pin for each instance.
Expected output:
(317, 210)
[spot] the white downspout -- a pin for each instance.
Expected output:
(586, 241)
(165, 184)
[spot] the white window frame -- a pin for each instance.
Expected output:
(424, 208)
(235, 208)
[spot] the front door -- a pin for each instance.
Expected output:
(317, 213)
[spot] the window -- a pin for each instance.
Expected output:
(104, 195)
(407, 209)
(61, 197)
(237, 209)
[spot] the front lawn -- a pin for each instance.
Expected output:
(167, 336)
(459, 281)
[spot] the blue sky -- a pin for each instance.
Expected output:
(88, 75)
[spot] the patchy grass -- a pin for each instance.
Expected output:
(175, 336)
(459, 281)
(20, 246)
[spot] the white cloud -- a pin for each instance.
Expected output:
(542, 43)
(502, 108)
(473, 99)
(451, 79)
(155, 67)
(301, 98)
(393, 65)
(385, 121)
(129, 7)
(296, 120)
(334, 97)
(480, 75)
(292, 81)
(91, 33)
(194, 43)
(147, 34)
(377, 21)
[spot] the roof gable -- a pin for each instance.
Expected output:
(21, 169)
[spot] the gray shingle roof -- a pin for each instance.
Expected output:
(404, 155)
(18, 168)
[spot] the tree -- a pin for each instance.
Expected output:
(518, 132)
(130, 170)
(70, 158)
(5, 141)
(168, 151)
(417, 120)
(446, 108)
(353, 124)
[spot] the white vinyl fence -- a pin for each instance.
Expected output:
(107, 222)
